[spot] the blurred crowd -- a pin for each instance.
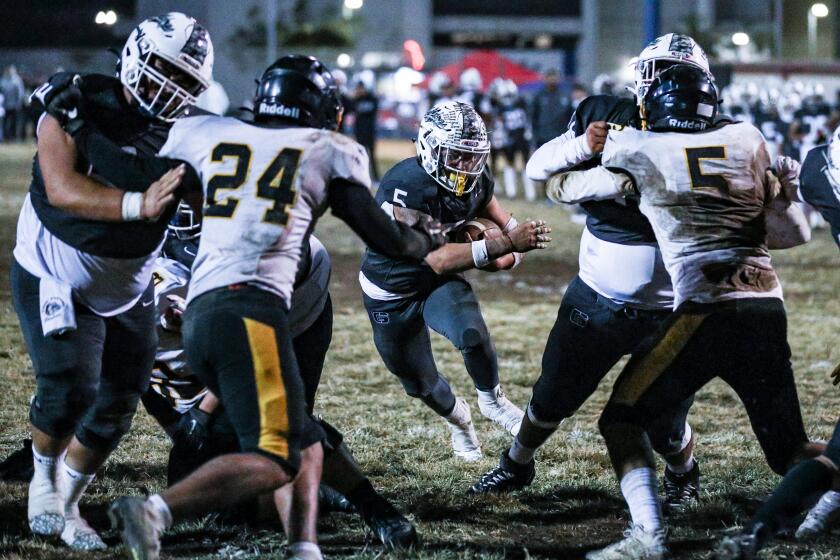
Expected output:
(17, 116)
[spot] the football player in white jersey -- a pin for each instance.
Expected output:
(715, 208)
(265, 185)
(81, 274)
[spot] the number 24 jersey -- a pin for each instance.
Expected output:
(264, 188)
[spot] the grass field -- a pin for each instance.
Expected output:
(574, 504)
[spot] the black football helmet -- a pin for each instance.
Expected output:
(301, 90)
(682, 98)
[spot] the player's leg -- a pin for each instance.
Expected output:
(127, 358)
(673, 439)
(237, 342)
(340, 470)
(452, 310)
(402, 340)
(662, 374)
(509, 173)
(524, 150)
(67, 371)
(590, 334)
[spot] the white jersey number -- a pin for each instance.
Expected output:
(276, 182)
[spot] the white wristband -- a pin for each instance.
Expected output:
(511, 225)
(479, 253)
(517, 258)
(132, 203)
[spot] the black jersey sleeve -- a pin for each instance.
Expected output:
(129, 172)
(352, 203)
(819, 191)
(609, 108)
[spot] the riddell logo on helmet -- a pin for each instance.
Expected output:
(689, 125)
(279, 110)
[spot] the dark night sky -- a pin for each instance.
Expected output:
(58, 23)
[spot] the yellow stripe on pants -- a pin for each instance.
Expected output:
(271, 392)
(641, 373)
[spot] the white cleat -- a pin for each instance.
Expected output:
(495, 406)
(822, 515)
(465, 442)
(637, 544)
(45, 509)
(78, 535)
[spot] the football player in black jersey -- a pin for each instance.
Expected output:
(621, 294)
(81, 276)
(450, 181)
(820, 182)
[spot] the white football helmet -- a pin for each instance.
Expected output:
(166, 63)
(470, 80)
(452, 146)
(663, 52)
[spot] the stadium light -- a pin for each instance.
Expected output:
(106, 18)
(344, 60)
(353, 4)
(740, 38)
(818, 10)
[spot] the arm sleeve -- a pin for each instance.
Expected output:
(817, 191)
(564, 152)
(352, 203)
(128, 171)
(598, 183)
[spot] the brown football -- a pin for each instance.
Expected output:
(476, 230)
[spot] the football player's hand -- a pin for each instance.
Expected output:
(529, 235)
(60, 96)
(596, 136)
(192, 430)
(432, 228)
(161, 193)
(835, 375)
(787, 170)
(173, 316)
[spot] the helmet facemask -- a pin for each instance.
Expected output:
(184, 224)
(164, 88)
(458, 167)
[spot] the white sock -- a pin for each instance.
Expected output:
(832, 497)
(304, 549)
(46, 468)
(520, 454)
(510, 182)
(488, 397)
(160, 508)
(530, 191)
(75, 484)
(639, 490)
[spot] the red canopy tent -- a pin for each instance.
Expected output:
(491, 65)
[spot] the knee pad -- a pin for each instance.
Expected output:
(108, 421)
(472, 338)
(61, 402)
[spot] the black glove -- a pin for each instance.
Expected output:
(192, 430)
(61, 97)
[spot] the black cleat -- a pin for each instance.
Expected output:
(393, 530)
(744, 546)
(331, 500)
(681, 489)
(507, 477)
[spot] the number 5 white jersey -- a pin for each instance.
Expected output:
(264, 188)
(704, 194)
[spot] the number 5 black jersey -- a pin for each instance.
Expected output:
(409, 186)
(264, 189)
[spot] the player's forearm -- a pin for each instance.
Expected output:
(128, 172)
(787, 225)
(458, 257)
(564, 152)
(598, 183)
(353, 204)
